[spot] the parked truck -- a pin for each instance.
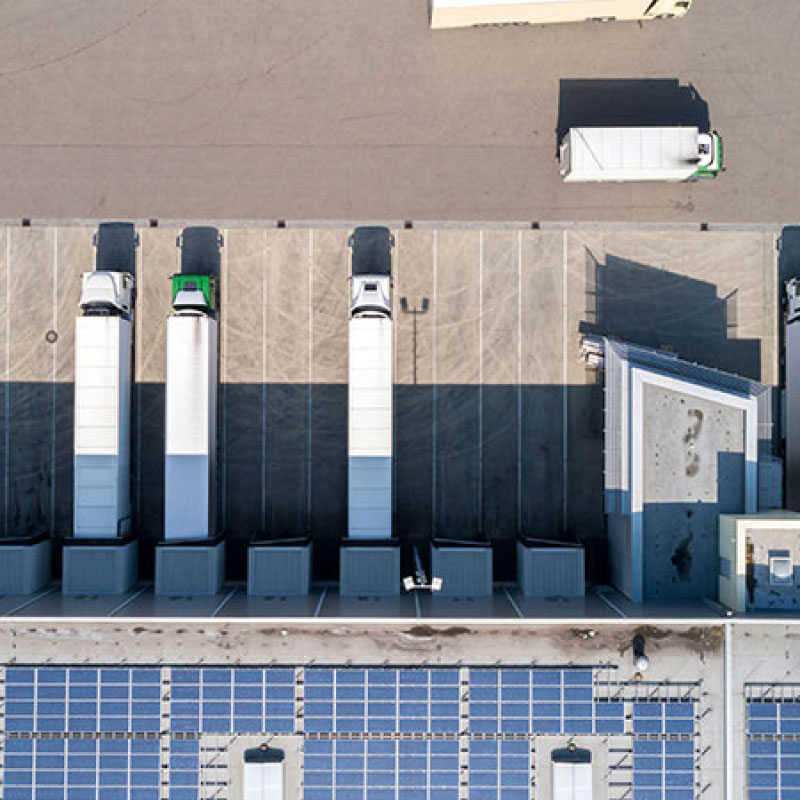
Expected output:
(464, 13)
(370, 385)
(598, 155)
(791, 399)
(191, 390)
(103, 379)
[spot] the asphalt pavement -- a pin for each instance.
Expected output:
(356, 110)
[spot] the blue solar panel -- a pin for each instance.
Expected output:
(664, 718)
(789, 718)
(663, 770)
(499, 770)
(184, 769)
(81, 769)
(578, 717)
(361, 701)
(381, 701)
(185, 701)
(484, 697)
(378, 770)
(648, 718)
(679, 718)
(18, 769)
(246, 700)
(609, 717)
(773, 768)
(541, 701)
(762, 718)
(82, 700)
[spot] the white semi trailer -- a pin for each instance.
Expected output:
(370, 386)
(191, 391)
(792, 395)
(622, 154)
(103, 367)
(463, 13)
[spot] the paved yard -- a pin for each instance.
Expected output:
(355, 109)
(498, 424)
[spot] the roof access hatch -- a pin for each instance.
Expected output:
(572, 774)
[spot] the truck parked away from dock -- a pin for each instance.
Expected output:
(601, 155)
(466, 13)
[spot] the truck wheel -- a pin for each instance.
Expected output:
(665, 15)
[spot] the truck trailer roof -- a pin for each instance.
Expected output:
(630, 153)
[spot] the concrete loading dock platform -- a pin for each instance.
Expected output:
(498, 423)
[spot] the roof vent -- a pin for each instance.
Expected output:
(781, 568)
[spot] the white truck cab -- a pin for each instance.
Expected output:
(110, 292)
(371, 272)
(109, 289)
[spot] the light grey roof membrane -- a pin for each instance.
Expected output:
(670, 364)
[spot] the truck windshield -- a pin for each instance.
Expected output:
(372, 251)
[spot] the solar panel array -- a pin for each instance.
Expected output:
(381, 701)
(499, 769)
(376, 733)
(773, 769)
(772, 718)
(378, 769)
(773, 749)
(82, 769)
(663, 719)
(82, 700)
(240, 700)
(538, 701)
(184, 769)
(663, 769)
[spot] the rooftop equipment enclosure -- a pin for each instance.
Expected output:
(572, 774)
(263, 773)
(263, 781)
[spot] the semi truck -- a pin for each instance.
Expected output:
(103, 379)
(370, 385)
(465, 13)
(191, 390)
(598, 155)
